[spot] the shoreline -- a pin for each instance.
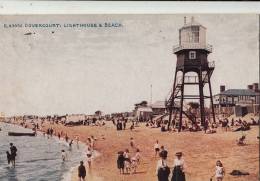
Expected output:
(70, 175)
(74, 171)
(66, 176)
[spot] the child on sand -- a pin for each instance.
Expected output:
(120, 162)
(81, 171)
(133, 165)
(156, 147)
(137, 156)
(220, 171)
(127, 161)
(241, 140)
(132, 142)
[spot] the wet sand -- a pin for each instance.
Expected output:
(201, 151)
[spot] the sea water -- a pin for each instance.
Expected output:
(38, 158)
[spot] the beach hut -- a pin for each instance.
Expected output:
(159, 108)
(144, 113)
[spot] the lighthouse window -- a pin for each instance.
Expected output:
(195, 34)
(192, 55)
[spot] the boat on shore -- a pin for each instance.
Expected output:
(21, 134)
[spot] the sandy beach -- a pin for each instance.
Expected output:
(200, 152)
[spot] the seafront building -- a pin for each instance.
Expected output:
(237, 101)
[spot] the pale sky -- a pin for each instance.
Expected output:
(82, 70)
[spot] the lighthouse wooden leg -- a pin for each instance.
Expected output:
(202, 110)
(181, 108)
(172, 101)
(211, 100)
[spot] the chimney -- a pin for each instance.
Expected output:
(255, 87)
(250, 87)
(185, 21)
(222, 88)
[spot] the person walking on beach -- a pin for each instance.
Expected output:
(66, 138)
(89, 152)
(63, 155)
(178, 168)
(137, 156)
(132, 126)
(89, 142)
(8, 155)
(13, 151)
(162, 170)
(70, 144)
(89, 159)
(156, 148)
(220, 171)
(163, 152)
(51, 131)
(77, 141)
(124, 124)
(120, 162)
(81, 171)
(92, 142)
(132, 142)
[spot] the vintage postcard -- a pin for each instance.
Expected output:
(129, 97)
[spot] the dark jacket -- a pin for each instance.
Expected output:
(81, 171)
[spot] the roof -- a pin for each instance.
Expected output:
(158, 104)
(239, 92)
(144, 109)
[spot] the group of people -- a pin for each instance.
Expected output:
(211, 127)
(89, 153)
(94, 122)
(163, 170)
(12, 154)
(127, 163)
(120, 123)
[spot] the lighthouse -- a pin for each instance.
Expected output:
(192, 56)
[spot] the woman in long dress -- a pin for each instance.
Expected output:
(162, 169)
(178, 168)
